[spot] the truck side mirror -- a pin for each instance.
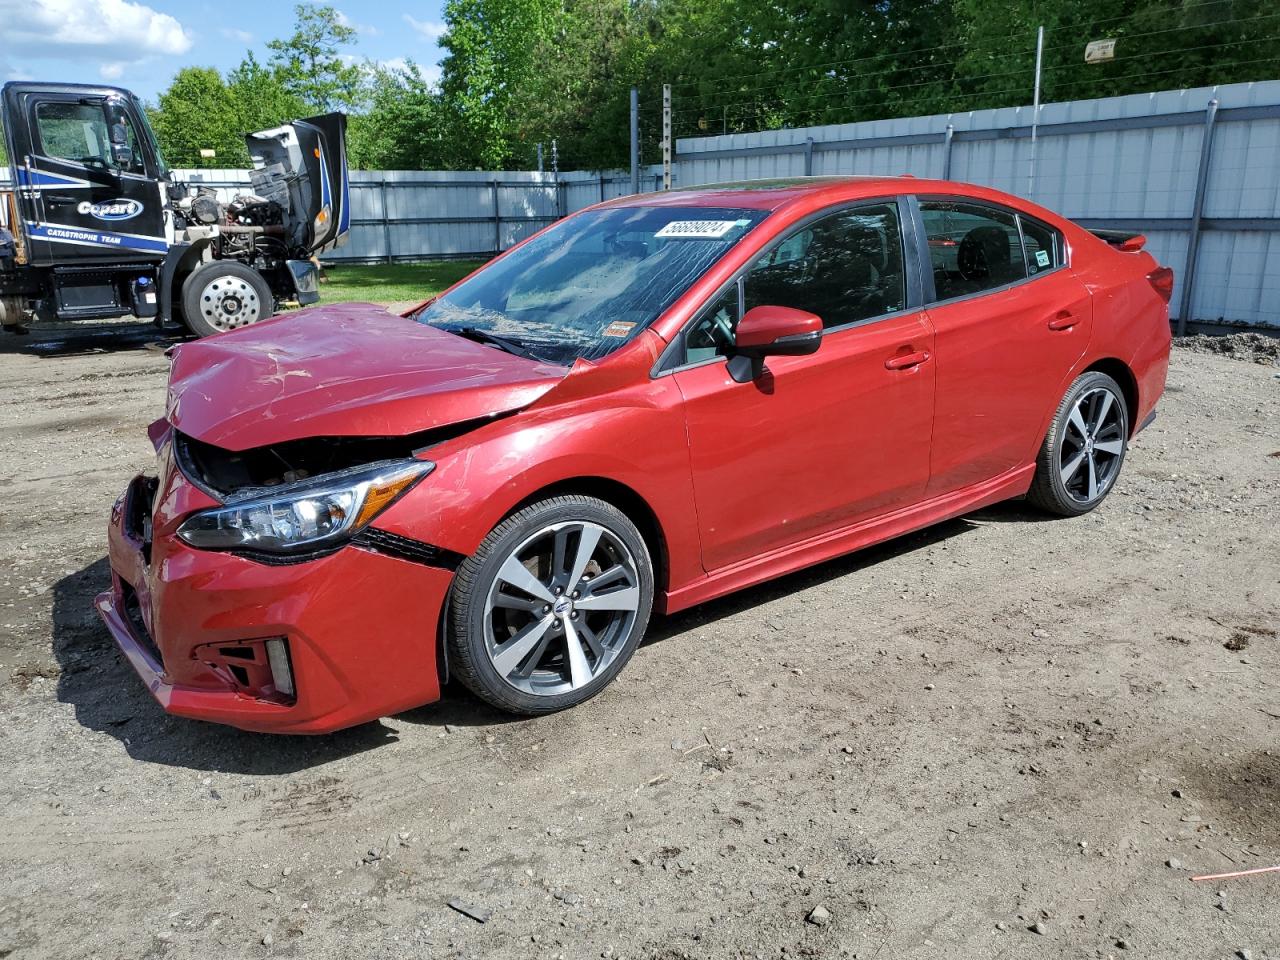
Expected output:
(121, 153)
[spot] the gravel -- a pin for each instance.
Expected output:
(916, 817)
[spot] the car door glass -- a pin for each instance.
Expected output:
(1041, 246)
(78, 133)
(973, 247)
(844, 268)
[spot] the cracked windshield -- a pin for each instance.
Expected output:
(591, 283)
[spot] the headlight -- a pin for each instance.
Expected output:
(308, 515)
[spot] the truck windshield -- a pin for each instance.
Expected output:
(591, 282)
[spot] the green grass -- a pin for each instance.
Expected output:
(393, 282)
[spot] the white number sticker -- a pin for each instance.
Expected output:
(696, 229)
(1042, 258)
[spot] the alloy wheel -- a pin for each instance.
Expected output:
(1092, 445)
(561, 608)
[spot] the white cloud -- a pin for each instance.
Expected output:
(364, 28)
(112, 71)
(231, 33)
(431, 29)
(117, 32)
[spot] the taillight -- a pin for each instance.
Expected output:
(1161, 280)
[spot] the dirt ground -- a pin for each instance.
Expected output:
(1004, 737)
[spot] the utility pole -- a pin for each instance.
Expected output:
(635, 140)
(555, 158)
(666, 136)
(1035, 115)
(539, 156)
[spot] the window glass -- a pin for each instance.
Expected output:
(1041, 246)
(972, 247)
(593, 281)
(78, 132)
(845, 268)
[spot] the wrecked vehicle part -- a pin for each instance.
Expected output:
(351, 370)
(304, 517)
(236, 475)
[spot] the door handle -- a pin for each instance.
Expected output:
(60, 199)
(1063, 320)
(906, 361)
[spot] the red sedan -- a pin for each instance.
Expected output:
(652, 403)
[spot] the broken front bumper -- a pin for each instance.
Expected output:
(361, 626)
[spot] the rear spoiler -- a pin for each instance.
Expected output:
(1126, 240)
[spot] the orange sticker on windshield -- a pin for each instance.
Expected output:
(618, 328)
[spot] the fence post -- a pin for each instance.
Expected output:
(947, 138)
(808, 157)
(497, 219)
(635, 140)
(602, 188)
(1197, 213)
(386, 219)
(561, 200)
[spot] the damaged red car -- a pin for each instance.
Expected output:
(649, 404)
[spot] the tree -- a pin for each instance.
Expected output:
(402, 128)
(309, 62)
(198, 112)
(260, 96)
(492, 47)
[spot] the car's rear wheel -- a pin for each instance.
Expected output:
(552, 606)
(1084, 449)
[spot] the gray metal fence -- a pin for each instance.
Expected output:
(408, 215)
(1198, 171)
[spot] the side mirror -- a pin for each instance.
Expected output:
(768, 331)
(121, 154)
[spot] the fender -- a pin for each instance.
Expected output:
(180, 260)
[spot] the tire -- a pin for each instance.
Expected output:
(224, 295)
(1084, 450)
(518, 637)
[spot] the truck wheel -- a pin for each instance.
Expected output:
(223, 295)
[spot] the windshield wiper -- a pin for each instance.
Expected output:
(503, 343)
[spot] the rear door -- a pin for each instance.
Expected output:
(817, 442)
(79, 204)
(1010, 320)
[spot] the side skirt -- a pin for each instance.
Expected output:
(866, 533)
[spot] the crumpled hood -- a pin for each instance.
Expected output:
(349, 369)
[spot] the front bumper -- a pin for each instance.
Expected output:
(362, 627)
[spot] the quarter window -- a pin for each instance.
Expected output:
(972, 247)
(1041, 246)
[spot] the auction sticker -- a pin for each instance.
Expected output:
(1042, 258)
(619, 328)
(696, 229)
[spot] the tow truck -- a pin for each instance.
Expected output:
(93, 224)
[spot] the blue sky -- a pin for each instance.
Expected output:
(140, 44)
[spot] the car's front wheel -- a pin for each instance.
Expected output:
(1084, 449)
(551, 606)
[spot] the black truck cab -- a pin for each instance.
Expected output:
(92, 224)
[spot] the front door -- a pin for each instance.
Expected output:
(82, 202)
(817, 442)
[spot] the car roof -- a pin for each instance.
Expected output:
(771, 194)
